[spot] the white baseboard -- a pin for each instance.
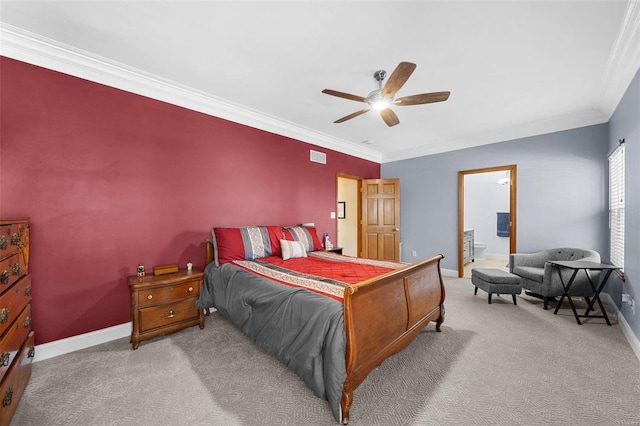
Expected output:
(449, 272)
(82, 341)
(624, 325)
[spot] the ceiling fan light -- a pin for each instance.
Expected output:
(380, 105)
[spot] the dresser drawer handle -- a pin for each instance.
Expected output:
(171, 314)
(4, 315)
(27, 322)
(16, 269)
(27, 290)
(15, 239)
(190, 289)
(4, 277)
(4, 359)
(150, 296)
(6, 401)
(3, 242)
(32, 352)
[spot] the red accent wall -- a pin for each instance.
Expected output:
(110, 179)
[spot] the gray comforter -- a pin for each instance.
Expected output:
(304, 330)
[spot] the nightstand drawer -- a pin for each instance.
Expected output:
(157, 296)
(160, 316)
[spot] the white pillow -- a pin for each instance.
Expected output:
(292, 249)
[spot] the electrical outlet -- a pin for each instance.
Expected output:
(414, 253)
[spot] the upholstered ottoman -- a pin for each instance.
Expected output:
(495, 281)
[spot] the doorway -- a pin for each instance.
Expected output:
(368, 217)
(501, 214)
(348, 214)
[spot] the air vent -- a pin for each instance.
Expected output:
(318, 157)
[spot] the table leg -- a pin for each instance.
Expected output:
(596, 295)
(566, 293)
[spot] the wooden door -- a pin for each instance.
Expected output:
(381, 219)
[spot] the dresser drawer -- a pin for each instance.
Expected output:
(13, 301)
(160, 316)
(11, 269)
(160, 295)
(14, 238)
(13, 339)
(15, 381)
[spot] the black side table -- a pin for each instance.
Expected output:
(587, 266)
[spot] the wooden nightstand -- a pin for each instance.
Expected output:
(337, 250)
(164, 304)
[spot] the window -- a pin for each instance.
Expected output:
(616, 205)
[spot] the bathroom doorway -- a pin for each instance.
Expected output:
(486, 217)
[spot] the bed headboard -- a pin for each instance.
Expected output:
(209, 244)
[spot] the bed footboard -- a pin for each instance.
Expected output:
(383, 315)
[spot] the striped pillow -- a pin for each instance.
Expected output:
(304, 234)
(292, 249)
(245, 243)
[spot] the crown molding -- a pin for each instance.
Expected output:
(623, 62)
(34, 49)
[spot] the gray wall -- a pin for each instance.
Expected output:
(625, 124)
(562, 193)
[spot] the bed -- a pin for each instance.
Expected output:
(269, 282)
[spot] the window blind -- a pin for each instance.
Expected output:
(616, 206)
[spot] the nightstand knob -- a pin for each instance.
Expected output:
(171, 314)
(190, 288)
(150, 296)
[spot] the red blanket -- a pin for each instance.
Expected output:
(321, 272)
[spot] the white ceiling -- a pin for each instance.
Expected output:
(514, 68)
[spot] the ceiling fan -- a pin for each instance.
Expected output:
(383, 97)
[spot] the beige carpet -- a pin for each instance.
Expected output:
(495, 364)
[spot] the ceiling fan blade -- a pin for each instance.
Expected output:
(424, 98)
(389, 117)
(398, 77)
(344, 95)
(350, 116)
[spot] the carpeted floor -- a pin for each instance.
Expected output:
(495, 364)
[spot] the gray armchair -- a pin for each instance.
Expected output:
(541, 278)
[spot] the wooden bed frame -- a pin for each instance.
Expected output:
(383, 315)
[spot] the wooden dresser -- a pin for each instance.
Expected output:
(16, 337)
(163, 304)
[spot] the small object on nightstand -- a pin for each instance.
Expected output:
(189, 266)
(140, 270)
(336, 250)
(165, 269)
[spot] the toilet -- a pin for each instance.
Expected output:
(478, 250)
